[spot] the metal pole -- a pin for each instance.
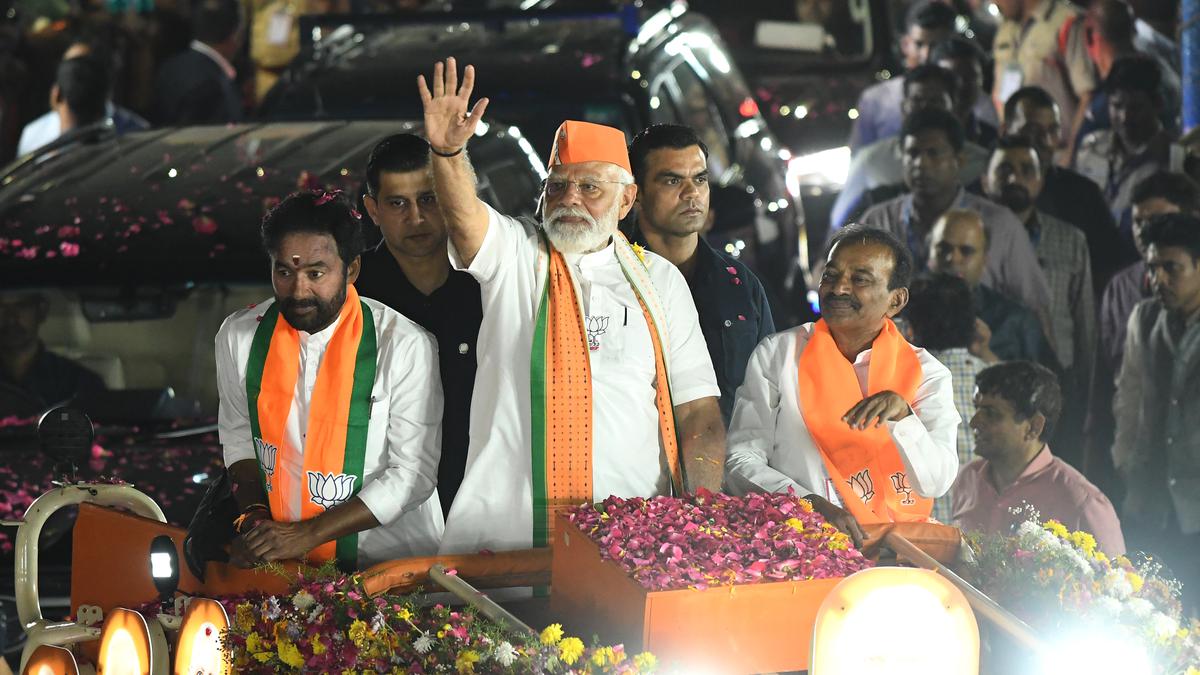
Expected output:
(980, 602)
(1189, 42)
(470, 595)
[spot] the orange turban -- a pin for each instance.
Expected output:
(586, 142)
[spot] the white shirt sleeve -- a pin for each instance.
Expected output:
(413, 430)
(751, 437)
(688, 361)
(505, 243)
(233, 417)
(928, 439)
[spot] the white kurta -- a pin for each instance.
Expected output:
(403, 435)
(493, 507)
(771, 450)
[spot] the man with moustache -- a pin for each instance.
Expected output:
(409, 272)
(1157, 448)
(594, 378)
(1066, 194)
(844, 411)
(670, 165)
(1017, 405)
(330, 405)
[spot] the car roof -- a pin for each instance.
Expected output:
(370, 71)
(183, 205)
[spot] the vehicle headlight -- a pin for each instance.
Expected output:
(818, 171)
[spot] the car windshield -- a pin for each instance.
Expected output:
(122, 355)
(780, 32)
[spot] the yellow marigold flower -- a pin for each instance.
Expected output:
(1083, 541)
(645, 662)
(318, 647)
(358, 633)
(263, 657)
(1057, 529)
(404, 614)
(465, 663)
(552, 634)
(806, 506)
(1099, 557)
(570, 649)
(795, 524)
(244, 617)
(290, 654)
(603, 656)
(255, 644)
(641, 252)
(1136, 581)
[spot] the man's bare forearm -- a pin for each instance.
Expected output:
(348, 518)
(466, 216)
(701, 443)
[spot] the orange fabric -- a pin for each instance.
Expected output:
(329, 411)
(568, 396)
(586, 142)
(865, 465)
(666, 411)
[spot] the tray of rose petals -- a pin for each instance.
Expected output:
(711, 581)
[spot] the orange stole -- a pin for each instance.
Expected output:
(568, 397)
(561, 390)
(865, 466)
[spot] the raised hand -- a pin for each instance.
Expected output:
(449, 124)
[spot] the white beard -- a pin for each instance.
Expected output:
(590, 235)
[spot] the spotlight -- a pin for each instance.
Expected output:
(164, 568)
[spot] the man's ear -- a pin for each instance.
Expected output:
(55, 96)
(1037, 424)
(897, 302)
(628, 197)
(353, 270)
(372, 208)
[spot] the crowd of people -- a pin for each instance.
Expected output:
(1011, 269)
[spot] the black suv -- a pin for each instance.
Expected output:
(627, 68)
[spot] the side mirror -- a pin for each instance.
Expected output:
(66, 436)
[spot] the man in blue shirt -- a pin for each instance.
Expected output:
(670, 166)
(926, 24)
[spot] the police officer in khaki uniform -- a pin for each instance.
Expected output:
(1042, 43)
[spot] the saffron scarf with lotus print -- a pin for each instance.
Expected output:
(864, 465)
(335, 439)
(561, 386)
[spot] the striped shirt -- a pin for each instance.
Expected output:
(963, 367)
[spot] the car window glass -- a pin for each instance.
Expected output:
(793, 28)
(128, 367)
(698, 112)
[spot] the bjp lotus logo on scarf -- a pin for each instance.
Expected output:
(266, 459)
(862, 485)
(900, 485)
(327, 490)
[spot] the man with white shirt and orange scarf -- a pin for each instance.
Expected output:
(594, 378)
(331, 405)
(844, 411)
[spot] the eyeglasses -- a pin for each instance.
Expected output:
(589, 188)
